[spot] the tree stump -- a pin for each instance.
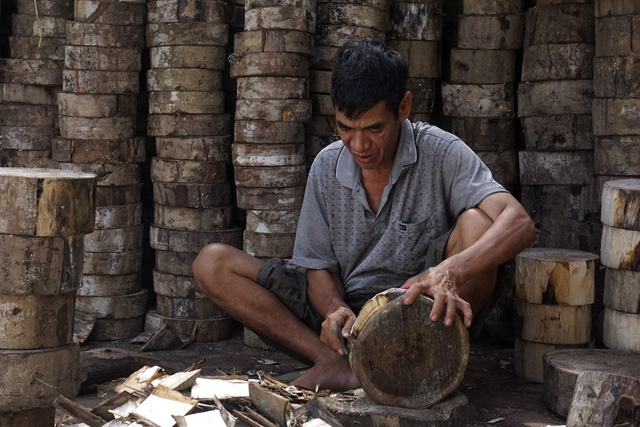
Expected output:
(621, 204)
(553, 324)
(620, 248)
(621, 330)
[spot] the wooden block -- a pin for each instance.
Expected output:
(168, 239)
(622, 290)
(29, 115)
(118, 195)
(116, 329)
(97, 128)
(422, 57)
(323, 57)
(114, 239)
(502, 164)
(495, 100)
(43, 72)
(28, 94)
(555, 276)
(270, 198)
(176, 286)
(382, 4)
(336, 35)
(270, 176)
(302, 4)
(555, 97)
(186, 102)
(321, 125)
(275, 64)
(621, 330)
(320, 81)
(353, 14)
(616, 77)
(274, 41)
(562, 368)
(272, 221)
(316, 143)
(188, 171)
(322, 105)
(529, 358)
(46, 8)
(37, 48)
(268, 132)
(166, 11)
(568, 233)
(112, 263)
(213, 149)
(555, 167)
(561, 61)
(490, 31)
(104, 35)
(115, 306)
(27, 159)
(192, 195)
(27, 138)
(267, 154)
(102, 151)
(105, 82)
(557, 201)
(416, 21)
(617, 35)
(482, 66)
(279, 18)
(562, 23)
(199, 330)
(111, 12)
(491, 7)
(558, 132)
(172, 262)
(269, 244)
(36, 321)
(272, 88)
(200, 57)
(30, 26)
(188, 308)
(616, 116)
(95, 58)
(32, 379)
(620, 248)
(274, 110)
(110, 285)
(183, 79)
(46, 202)
(423, 92)
(187, 33)
(192, 125)
(621, 204)
(95, 105)
(201, 219)
(616, 7)
(485, 133)
(553, 324)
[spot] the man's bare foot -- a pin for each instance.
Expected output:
(333, 374)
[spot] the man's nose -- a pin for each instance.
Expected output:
(358, 141)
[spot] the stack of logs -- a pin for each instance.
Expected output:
(554, 104)
(481, 95)
(31, 81)
(553, 293)
(44, 214)
(620, 253)
(193, 203)
(97, 128)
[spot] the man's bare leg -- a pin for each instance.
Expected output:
(228, 276)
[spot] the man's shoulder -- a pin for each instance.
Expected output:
(325, 161)
(428, 134)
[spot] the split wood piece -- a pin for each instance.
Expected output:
(502, 164)
(353, 14)
(622, 290)
(314, 144)
(558, 201)
(116, 329)
(118, 195)
(482, 66)
(603, 399)
(183, 79)
(180, 380)
(200, 57)
(104, 35)
(529, 358)
(191, 125)
(103, 151)
(309, 5)
(114, 239)
(416, 21)
(616, 116)
(555, 276)
(30, 322)
(562, 23)
(101, 82)
(267, 154)
(171, 262)
(124, 174)
(321, 125)
(176, 286)
(269, 244)
(186, 102)
(320, 81)
(270, 198)
(555, 97)
(198, 330)
(40, 72)
(273, 110)
(616, 7)
(166, 11)
(322, 104)
(272, 221)
(275, 407)
(46, 8)
(78, 412)
(323, 57)
(187, 33)
(269, 132)
(490, 31)
(617, 155)
(168, 239)
(491, 7)
(45, 26)
(270, 176)
(568, 233)
(253, 340)
(27, 159)
(562, 61)
(158, 408)
(46, 202)
(33, 417)
(37, 48)
(495, 100)
(40, 265)
(192, 195)
(555, 167)
(112, 263)
(275, 64)
(27, 138)
(272, 88)
(188, 171)
(212, 149)
(553, 324)
(559, 132)
(29, 94)
(621, 330)
(187, 308)
(273, 41)
(29, 115)
(163, 339)
(109, 285)
(108, 12)
(620, 206)
(411, 373)
(83, 324)
(336, 35)
(279, 18)
(114, 306)
(620, 248)
(424, 93)
(141, 381)
(31, 379)
(485, 133)
(94, 105)
(562, 368)
(617, 35)
(111, 217)
(200, 219)
(94, 58)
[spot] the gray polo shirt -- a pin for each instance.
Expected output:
(434, 178)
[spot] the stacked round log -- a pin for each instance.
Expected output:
(480, 96)
(30, 81)
(337, 22)
(192, 193)
(98, 135)
(620, 252)
(415, 30)
(554, 106)
(44, 214)
(553, 293)
(617, 95)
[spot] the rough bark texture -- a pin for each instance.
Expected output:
(562, 61)
(617, 155)
(483, 66)
(188, 308)
(198, 330)
(186, 33)
(556, 167)
(272, 221)
(564, 23)
(192, 195)
(267, 154)
(555, 97)
(201, 219)
(114, 306)
(466, 100)
(269, 244)
(558, 132)
(283, 64)
(616, 116)
(270, 198)
(490, 31)
(172, 262)
(557, 201)
(110, 285)
(188, 171)
(622, 290)
(274, 41)
(192, 241)
(270, 176)
(201, 57)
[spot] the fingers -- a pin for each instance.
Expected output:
(329, 335)
(445, 300)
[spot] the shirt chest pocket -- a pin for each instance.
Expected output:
(411, 243)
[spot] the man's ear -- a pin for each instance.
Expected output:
(405, 107)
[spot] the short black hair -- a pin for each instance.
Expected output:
(365, 72)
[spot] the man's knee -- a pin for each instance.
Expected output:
(471, 225)
(209, 264)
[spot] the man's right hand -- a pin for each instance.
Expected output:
(330, 335)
